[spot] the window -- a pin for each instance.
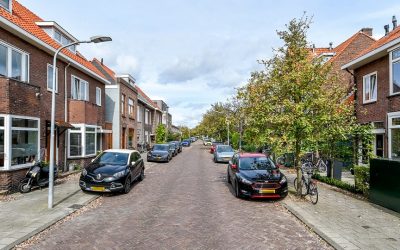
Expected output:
(84, 141)
(6, 4)
(370, 88)
(146, 116)
(57, 36)
(139, 116)
(50, 78)
(98, 96)
(123, 104)
(79, 89)
(3, 60)
(395, 74)
(24, 140)
(14, 63)
(394, 135)
(130, 108)
(75, 142)
(90, 141)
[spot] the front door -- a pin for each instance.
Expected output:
(379, 145)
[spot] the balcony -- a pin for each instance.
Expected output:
(85, 112)
(19, 98)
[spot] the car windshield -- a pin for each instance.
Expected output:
(172, 145)
(114, 158)
(256, 163)
(161, 147)
(221, 149)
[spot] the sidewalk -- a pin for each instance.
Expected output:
(26, 215)
(346, 222)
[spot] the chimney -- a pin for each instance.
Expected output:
(367, 31)
(330, 45)
(394, 22)
(313, 48)
(386, 27)
(102, 60)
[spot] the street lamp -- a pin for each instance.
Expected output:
(94, 39)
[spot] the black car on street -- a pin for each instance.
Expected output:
(253, 175)
(113, 170)
(160, 153)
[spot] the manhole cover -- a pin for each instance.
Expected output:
(366, 227)
(76, 206)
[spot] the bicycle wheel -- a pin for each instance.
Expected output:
(303, 186)
(313, 192)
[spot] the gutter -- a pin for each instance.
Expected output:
(65, 115)
(26, 36)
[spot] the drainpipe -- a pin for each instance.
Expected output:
(65, 116)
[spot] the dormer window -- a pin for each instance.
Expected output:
(6, 4)
(59, 34)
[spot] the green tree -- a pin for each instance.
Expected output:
(161, 133)
(296, 102)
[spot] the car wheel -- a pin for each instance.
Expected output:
(141, 176)
(237, 193)
(127, 186)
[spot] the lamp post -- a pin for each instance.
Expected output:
(95, 39)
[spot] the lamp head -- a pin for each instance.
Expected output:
(100, 39)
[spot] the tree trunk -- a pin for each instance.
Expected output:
(298, 166)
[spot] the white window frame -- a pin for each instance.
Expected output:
(98, 96)
(391, 61)
(24, 62)
(82, 131)
(9, 6)
(8, 140)
(139, 118)
(368, 76)
(81, 82)
(51, 77)
(146, 116)
(391, 116)
(131, 108)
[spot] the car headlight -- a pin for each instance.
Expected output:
(283, 180)
(84, 172)
(245, 181)
(119, 174)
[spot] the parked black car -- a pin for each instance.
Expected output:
(253, 175)
(174, 148)
(179, 145)
(113, 170)
(160, 153)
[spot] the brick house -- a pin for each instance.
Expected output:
(120, 118)
(27, 46)
(345, 52)
(377, 100)
(146, 111)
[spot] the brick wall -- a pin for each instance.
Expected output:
(129, 122)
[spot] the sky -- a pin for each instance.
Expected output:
(193, 53)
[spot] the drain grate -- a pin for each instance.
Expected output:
(366, 227)
(76, 206)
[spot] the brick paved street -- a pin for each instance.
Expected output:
(185, 204)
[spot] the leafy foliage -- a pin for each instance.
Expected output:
(161, 133)
(361, 179)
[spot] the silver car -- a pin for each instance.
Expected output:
(223, 153)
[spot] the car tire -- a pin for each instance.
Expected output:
(237, 193)
(127, 186)
(141, 176)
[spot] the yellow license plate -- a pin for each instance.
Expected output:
(267, 191)
(99, 189)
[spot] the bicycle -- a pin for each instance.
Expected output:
(308, 185)
(320, 165)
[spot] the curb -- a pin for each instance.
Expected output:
(312, 227)
(45, 226)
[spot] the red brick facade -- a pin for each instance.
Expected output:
(34, 100)
(128, 122)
